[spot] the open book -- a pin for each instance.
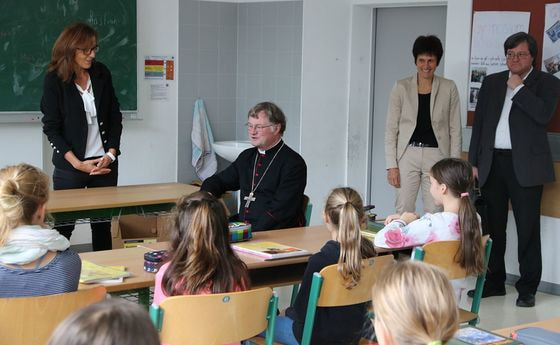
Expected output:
(98, 274)
(269, 250)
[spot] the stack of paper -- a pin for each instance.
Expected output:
(98, 274)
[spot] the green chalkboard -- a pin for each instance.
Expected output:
(29, 28)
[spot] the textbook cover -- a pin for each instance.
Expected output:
(269, 250)
(470, 335)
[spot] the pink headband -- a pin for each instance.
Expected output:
(464, 194)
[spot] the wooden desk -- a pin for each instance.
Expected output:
(550, 324)
(262, 273)
(106, 202)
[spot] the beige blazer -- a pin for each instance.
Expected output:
(403, 111)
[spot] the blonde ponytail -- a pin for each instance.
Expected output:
(345, 210)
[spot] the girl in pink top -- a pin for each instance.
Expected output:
(451, 179)
(202, 261)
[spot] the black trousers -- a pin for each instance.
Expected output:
(501, 187)
(66, 179)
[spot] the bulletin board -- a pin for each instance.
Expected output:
(536, 29)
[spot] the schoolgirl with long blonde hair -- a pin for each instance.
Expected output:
(344, 217)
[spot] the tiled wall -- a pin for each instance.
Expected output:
(269, 61)
(207, 69)
(234, 56)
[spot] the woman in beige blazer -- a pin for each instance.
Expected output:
(423, 126)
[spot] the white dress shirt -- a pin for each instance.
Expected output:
(502, 140)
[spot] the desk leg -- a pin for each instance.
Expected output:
(144, 297)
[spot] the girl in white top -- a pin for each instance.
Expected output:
(450, 178)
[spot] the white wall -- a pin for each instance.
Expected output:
(149, 146)
(324, 96)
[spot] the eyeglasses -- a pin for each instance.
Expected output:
(88, 51)
(257, 128)
(520, 55)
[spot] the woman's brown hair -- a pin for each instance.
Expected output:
(201, 257)
(345, 210)
(457, 175)
(75, 36)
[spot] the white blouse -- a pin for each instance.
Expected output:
(94, 147)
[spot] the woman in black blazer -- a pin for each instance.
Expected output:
(82, 120)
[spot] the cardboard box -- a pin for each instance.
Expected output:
(133, 230)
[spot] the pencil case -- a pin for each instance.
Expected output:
(154, 260)
(239, 231)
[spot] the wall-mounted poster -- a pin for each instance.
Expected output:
(551, 40)
(490, 30)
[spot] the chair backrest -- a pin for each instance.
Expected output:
(307, 209)
(31, 320)
(443, 255)
(216, 318)
(334, 294)
(327, 290)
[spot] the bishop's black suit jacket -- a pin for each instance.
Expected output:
(532, 109)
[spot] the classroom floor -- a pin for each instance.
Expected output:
(500, 311)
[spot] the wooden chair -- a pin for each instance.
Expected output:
(31, 320)
(216, 318)
(327, 290)
(442, 254)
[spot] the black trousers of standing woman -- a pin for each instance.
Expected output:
(66, 179)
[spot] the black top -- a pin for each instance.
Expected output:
(279, 196)
(333, 325)
(424, 133)
(64, 120)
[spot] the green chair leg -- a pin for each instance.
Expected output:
(295, 289)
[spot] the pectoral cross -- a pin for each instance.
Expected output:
(249, 199)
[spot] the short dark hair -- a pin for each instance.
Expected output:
(518, 38)
(430, 45)
(272, 111)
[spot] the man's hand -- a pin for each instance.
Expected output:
(475, 172)
(394, 177)
(514, 81)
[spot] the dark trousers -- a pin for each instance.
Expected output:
(65, 179)
(501, 187)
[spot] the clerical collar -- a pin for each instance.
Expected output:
(270, 150)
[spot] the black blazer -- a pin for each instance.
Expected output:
(532, 109)
(64, 120)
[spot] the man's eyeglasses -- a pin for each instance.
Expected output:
(88, 51)
(520, 55)
(257, 128)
